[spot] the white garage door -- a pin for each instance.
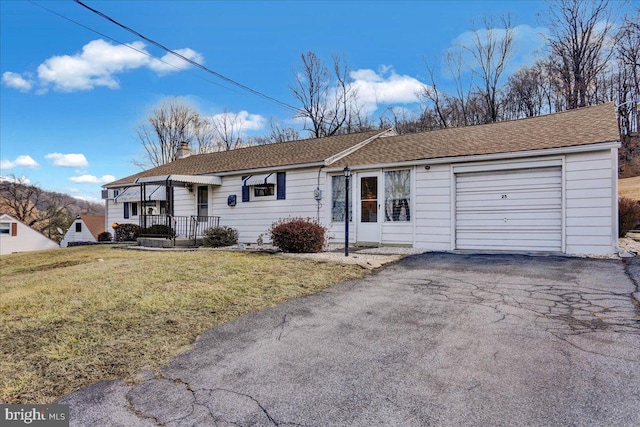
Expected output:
(515, 210)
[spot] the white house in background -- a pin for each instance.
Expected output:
(541, 184)
(85, 228)
(16, 236)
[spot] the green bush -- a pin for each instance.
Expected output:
(298, 235)
(628, 215)
(105, 236)
(158, 230)
(216, 237)
(127, 232)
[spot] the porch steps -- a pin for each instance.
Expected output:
(159, 242)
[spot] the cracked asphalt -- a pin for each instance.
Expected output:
(435, 339)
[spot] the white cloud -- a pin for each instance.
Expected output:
(24, 161)
(243, 120)
(71, 160)
(171, 63)
(384, 87)
(98, 64)
(92, 179)
(23, 179)
(17, 81)
(92, 199)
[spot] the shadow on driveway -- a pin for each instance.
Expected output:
(436, 339)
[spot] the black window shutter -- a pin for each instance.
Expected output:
(245, 190)
(126, 209)
(281, 185)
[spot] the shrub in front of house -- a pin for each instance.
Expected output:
(298, 235)
(127, 232)
(216, 237)
(158, 230)
(105, 236)
(628, 215)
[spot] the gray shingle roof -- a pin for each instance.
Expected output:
(570, 128)
(261, 156)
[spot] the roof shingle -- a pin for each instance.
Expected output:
(570, 128)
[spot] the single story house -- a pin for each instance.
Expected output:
(541, 184)
(15, 236)
(85, 228)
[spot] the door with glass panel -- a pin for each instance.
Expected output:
(368, 215)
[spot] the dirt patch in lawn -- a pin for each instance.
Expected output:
(72, 317)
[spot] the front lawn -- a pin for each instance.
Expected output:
(72, 317)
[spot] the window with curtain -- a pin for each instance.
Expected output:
(338, 199)
(397, 199)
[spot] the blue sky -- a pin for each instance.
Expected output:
(71, 99)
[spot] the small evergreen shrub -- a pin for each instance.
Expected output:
(105, 236)
(158, 230)
(628, 215)
(216, 237)
(298, 235)
(127, 232)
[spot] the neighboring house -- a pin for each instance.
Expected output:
(16, 236)
(85, 228)
(545, 184)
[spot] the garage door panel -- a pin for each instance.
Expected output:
(510, 210)
(470, 219)
(495, 199)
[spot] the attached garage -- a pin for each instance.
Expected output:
(509, 210)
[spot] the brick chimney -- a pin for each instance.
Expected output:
(183, 151)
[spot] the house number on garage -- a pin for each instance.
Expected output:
(504, 196)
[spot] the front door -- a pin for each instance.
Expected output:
(368, 214)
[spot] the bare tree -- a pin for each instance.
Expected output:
(491, 49)
(227, 131)
(282, 134)
(204, 135)
(525, 94)
(325, 96)
(21, 199)
(170, 123)
(33, 206)
(580, 44)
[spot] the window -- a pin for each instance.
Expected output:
(5, 227)
(397, 199)
(203, 202)
(134, 209)
(337, 199)
(78, 227)
(264, 190)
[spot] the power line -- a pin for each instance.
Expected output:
(128, 45)
(190, 61)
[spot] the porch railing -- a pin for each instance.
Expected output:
(174, 226)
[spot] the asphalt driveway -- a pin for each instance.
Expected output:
(436, 339)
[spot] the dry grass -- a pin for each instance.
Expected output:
(69, 318)
(629, 188)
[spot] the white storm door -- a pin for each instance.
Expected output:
(368, 208)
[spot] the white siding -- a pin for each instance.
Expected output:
(590, 197)
(26, 239)
(433, 208)
(255, 217)
(73, 236)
